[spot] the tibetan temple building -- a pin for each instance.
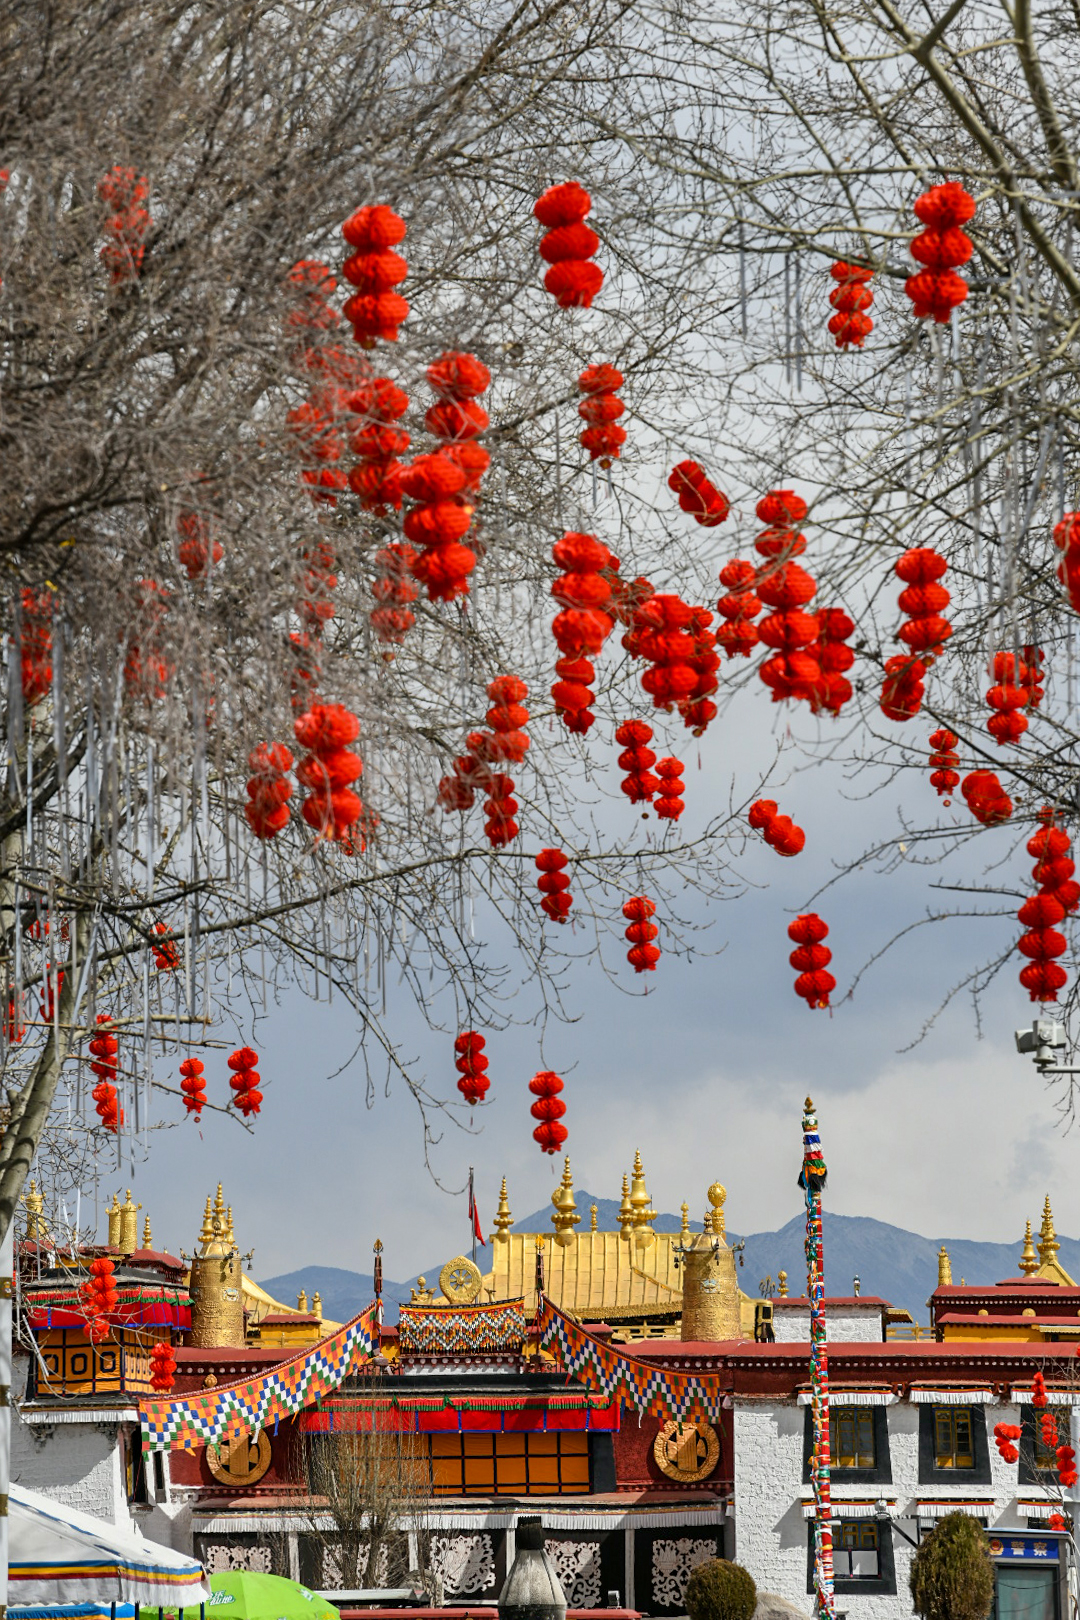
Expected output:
(618, 1383)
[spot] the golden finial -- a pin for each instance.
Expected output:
(35, 1204)
(1029, 1260)
(944, 1265)
(230, 1235)
(706, 1222)
(146, 1233)
(781, 1278)
(717, 1196)
(301, 1300)
(593, 1212)
(685, 1231)
(113, 1212)
(219, 1211)
(316, 1305)
(625, 1216)
(1048, 1243)
(129, 1226)
(566, 1216)
(207, 1223)
(503, 1218)
(641, 1204)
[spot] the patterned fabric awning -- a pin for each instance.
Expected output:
(462, 1329)
(650, 1390)
(203, 1417)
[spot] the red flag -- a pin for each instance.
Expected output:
(474, 1216)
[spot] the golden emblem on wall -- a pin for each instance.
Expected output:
(460, 1280)
(687, 1451)
(240, 1462)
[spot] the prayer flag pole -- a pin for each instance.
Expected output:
(812, 1180)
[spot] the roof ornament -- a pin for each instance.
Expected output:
(1048, 1243)
(717, 1196)
(781, 1281)
(625, 1215)
(503, 1219)
(593, 1212)
(684, 1230)
(944, 1265)
(641, 1204)
(1029, 1260)
(566, 1216)
(146, 1241)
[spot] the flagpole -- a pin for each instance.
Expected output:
(812, 1180)
(472, 1214)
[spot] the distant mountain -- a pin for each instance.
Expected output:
(898, 1265)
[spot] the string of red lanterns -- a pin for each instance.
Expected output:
(833, 657)
(1054, 868)
(166, 954)
(244, 1080)
(697, 708)
(438, 522)
(902, 689)
(104, 1048)
(549, 1109)
(1042, 942)
(505, 743)
(269, 789)
(374, 269)
(1007, 698)
(568, 246)
(456, 418)
(471, 1065)
(583, 625)
(779, 832)
(811, 960)
(315, 427)
(668, 803)
(1005, 1436)
(698, 495)
(784, 585)
(851, 298)
(924, 600)
(162, 1366)
(553, 884)
(936, 290)
(662, 627)
(125, 192)
(600, 410)
(331, 807)
(637, 759)
(193, 1086)
(199, 549)
(944, 760)
(643, 954)
(35, 645)
(377, 443)
(99, 1295)
(738, 635)
(393, 591)
(1067, 540)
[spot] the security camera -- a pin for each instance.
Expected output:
(1042, 1041)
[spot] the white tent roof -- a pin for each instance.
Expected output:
(60, 1558)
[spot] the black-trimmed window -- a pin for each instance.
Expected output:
(858, 1444)
(862, 1557)
(953, 1445)
(1038, 1462)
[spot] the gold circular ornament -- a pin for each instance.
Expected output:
(687, 1451)
(240, 1462)
(717, 1195)
(460, 1280)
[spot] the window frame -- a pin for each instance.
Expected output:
(929, 1472)
(883, 1584)
(880, 1474)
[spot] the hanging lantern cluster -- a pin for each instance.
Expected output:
(643, 954)
(944, 760)
(600, 410)
(456, 418)
(554, 885)
(986, 798)
(269, 789)
(697, 708)
(166, 954)
(779, 832)
(162, 1367)
(375, 309)
(1054, 867)
(568, 246)
(936, 290)
(668, 803)
(244, 1080)
(833, 657)
(193, 1086)
(1005, 1438)
(698, 495)
(738, 635)
(851, 298)
(505, 743)
(786, 587)
(100, 1297)
(103, 1048)
(317, 584)
(331, 807)
(549, 1110)
(1039, 1396)
(1066, 1461)
(393, 590)
(318, 444)
(924, 600)
(1048, 1431)
(811, 960)
(1042, 942)
(377, 443)
(583, 625)
(199, 549)
(1008, 697)
(35, 645)
(902, 689)
(471, 1065)
(437, 523)
(125, 192)
(1067, 540)
(662, 634)
(637, 759)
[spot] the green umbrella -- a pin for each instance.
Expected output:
(241, 1594)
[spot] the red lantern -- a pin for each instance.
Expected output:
(99, 1295)
(924, 601)
(1007, 698)
(902, 689)
(193, 1086)
(393, 590)
(833, 657)
(937, 290)
(1039, 1397)
(697, 708)
(643, 954)
(331, 807)
(626, 598)
(637, 760)
(663, 627)
(245, 1081)
(811, 960)
(377, 444)
(850, 299)
(124, 192)
(783, 511)
(456, 418)
(549, 1110)
(1067, 540)
(269, 790)
(198, 550)
(568, 247)
(793, 672)
(601, 408)
(697, 495)
(668, 804)
(104, 1048)
(162, 1367)
(315, 429)
(583, 625)
(739, 608)
(35, 650)
(1066, 1461)
(779, 832)
(553, 883)
(471, 1065)
(374, 309)
(944, 759)
(1053, 870)
(1004, 1436)
(506, 742)
(986, 798)
(437, 523)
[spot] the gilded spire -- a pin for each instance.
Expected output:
(503, 1218)
(219, 1210)
(625, 1215)
(566, 1216)
(944, 1265)
(1048, 1243)
(146, 1243)
(207, 1222)
(641, 1204)
(113, 1212)
(301, 1300)
(1029, 1260)
(34, 1204)
(316, 1305)
(717, 1196)
(593, 1212)
(685, 1229)
(781, 1278)
(129, 1226)
(230, 1235)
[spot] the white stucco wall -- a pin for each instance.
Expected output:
(851, 1324)
(79, 1464)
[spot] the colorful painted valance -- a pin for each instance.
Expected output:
(650, 1390)
(557, 1410)
(448, 1330)
(203, 1417)
(137, 1305)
